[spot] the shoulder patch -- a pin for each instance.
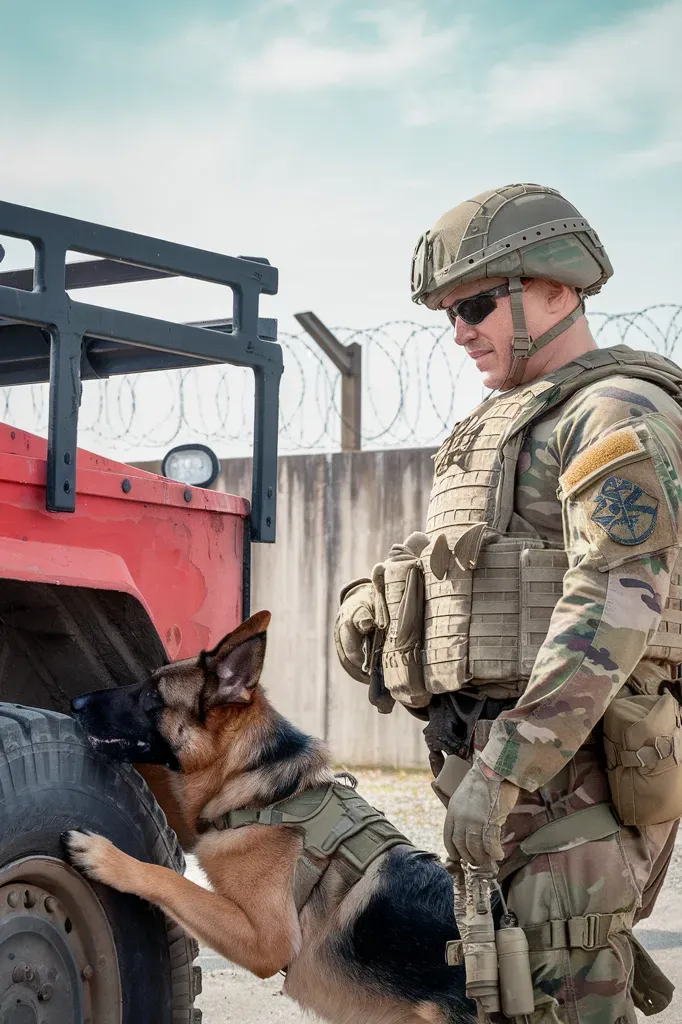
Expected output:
(620, 517)
(616, 449)
(625, 512)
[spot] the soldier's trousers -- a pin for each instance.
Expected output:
(619, 874)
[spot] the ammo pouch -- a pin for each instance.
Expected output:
(643, 746)
(489, 601)
(401, 581)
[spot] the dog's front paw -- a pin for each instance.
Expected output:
(95, 856)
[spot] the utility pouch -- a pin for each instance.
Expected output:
(651, 990)
(403, 584)
(643, 746)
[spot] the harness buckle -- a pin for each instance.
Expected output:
(352, 782)
(586, 936)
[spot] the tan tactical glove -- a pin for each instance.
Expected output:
(364, 610)
(355, 621)
(476, 813)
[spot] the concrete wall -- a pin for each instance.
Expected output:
(338, 515)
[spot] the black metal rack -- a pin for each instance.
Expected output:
(45, 335)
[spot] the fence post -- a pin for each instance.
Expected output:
(348, 361)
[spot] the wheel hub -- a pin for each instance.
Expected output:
(58, 961)
(20, 1014)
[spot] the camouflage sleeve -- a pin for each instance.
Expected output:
(620, 466)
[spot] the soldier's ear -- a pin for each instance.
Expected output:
(233, 669)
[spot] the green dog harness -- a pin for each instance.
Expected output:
(337, 824)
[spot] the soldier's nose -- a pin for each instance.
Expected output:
(464, 333)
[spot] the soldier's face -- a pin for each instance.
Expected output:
(489, 343)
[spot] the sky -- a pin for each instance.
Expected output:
(326, 135)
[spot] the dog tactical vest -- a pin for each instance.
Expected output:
(338, 824)
(489, 593)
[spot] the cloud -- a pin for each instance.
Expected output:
(615, 78)
(405, 45)
(308, 17)
(602, 76)
(225, 168)
(663, 154)
(612, 79)
(198, 151)
(201, 178)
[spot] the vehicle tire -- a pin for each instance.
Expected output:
(53, 922)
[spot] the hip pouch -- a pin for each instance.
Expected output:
(643, 746)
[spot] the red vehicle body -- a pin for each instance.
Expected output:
(176, 550)
(106, 573)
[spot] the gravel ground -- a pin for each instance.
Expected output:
(232, 995)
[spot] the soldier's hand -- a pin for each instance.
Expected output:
(476, 814)
(354, 622)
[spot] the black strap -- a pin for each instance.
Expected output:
(378, 693)
(452, 722)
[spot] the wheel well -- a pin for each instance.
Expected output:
(57, 642)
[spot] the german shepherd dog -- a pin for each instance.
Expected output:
(373, 951)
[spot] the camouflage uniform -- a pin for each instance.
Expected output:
(599, 474)
(599, 632)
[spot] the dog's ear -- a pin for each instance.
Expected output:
(234, 667)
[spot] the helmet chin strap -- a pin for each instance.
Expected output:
(523, 346)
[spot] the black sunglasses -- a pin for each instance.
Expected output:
(475, 308)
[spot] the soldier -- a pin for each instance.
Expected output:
(535, 626)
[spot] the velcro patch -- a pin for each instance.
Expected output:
(625, 512)
(616, 449)
(621, 517)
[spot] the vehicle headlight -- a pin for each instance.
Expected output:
(193, 464)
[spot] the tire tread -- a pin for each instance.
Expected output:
(49, 734)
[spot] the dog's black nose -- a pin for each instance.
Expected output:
(78, 703)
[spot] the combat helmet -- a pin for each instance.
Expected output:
(513, 232)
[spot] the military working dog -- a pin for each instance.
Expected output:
(367, 949)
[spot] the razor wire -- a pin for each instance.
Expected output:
(415, 384)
